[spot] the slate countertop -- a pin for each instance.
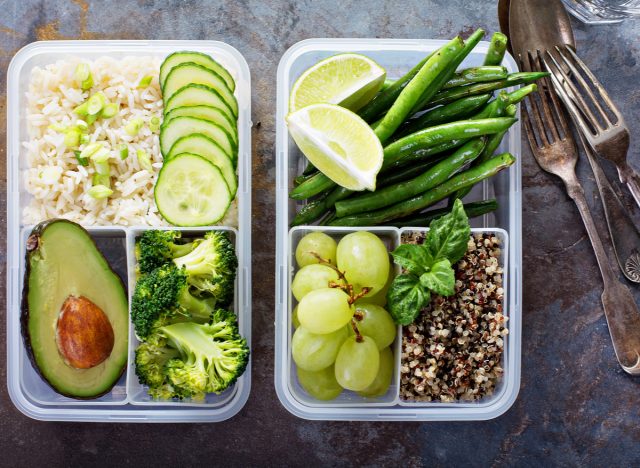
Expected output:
(576, 406)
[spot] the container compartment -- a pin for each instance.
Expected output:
(397, 56)
(125, 402)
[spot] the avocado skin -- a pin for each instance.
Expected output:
(32, 245)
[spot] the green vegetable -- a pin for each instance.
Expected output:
(428, 267)
(419, 86)
(101, 179)
(109, 110)
(428, 198)
(101, 155)
(472, 209)
(145, 81)
(96, 103)
(155, 248)
(82, 109)
(187, 360)
(100, 191)
(497, 49)
(154, 124)
(83, 76)
(133, 127)
(316, 209)
(90, 149)
(84, 139)
(82, 125)
(102, 168)
(476, 75)
(407, 189)
(144, 160)
(124, 151)
(72, 137)
(82, 161)
(313, 185)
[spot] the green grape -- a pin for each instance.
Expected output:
(324, 310)
(357, 363)
(365, 261)
(374, 321)
(320, 384)
(383, 379)
(294, 317)
(314, 352)
(319, 243)
(312, 277)
(379, 298)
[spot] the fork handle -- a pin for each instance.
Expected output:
(620, 309)
(630, 177)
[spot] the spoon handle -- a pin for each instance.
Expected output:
(620, 309)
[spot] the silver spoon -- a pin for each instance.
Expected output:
(545, 35)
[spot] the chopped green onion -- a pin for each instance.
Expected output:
(84, 139)
(82, 109)
(101, 179)
(72, 137)
(133, 127)
(58, 128)
(102, 168)
(100, 191)
(144, 160)
(96, 103)
(82, 161)
(83, 76)
(82, 125)
(154, 124)
(124, 152)
(110, 110)
(145, 81)
(101, 156)
(91, 118)
(90, 149)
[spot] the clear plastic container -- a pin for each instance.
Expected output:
(397, 56)
(128, 400)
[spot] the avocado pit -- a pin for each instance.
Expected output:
(84, 334)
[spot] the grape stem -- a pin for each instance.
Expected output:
(343, 284)
(359, 338)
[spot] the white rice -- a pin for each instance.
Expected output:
(57, 183)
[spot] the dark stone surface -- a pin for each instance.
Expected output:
(576, 407)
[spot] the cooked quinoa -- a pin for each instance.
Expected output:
(453, 351)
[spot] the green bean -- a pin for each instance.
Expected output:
(384, 99)
(443, 114)
(405, 208)
(317, 208)
(519, 94)
(492, 145)
(418, 85)
(302, 178)
(309, 169)
(469, 45)
(495, 108)
(426, 153)
(476, 75)
(312, 186)
(449, 95)
(473, 209)
(404, 190)
(387, 84)
(497, 49)
(417, 142)
(403, 173)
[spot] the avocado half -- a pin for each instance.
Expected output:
(75, 314)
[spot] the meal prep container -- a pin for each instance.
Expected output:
(396, 56)
(128, 400)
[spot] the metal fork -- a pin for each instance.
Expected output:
(555, 151)
(608, 138)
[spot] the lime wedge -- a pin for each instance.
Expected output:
(350, 80)
(339, 143)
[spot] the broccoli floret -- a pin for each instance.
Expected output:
(162, 297)
(188, 360)
(157, 248)
(211, 267)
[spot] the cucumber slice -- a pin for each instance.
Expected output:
(195, 57)
(182, 126)
(208, 149)
(190, 191)
(196, 95)
(210, 113)
(191, 73)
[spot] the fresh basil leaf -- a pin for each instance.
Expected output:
(441, 279)
(413, 258)
(448, 235)
(406, 297)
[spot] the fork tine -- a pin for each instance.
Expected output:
(578, 76)
(546, 109)
(533, 143)
(590, 126)
(537, 114)
(596, 83)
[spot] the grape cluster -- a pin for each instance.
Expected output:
(343, 334)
